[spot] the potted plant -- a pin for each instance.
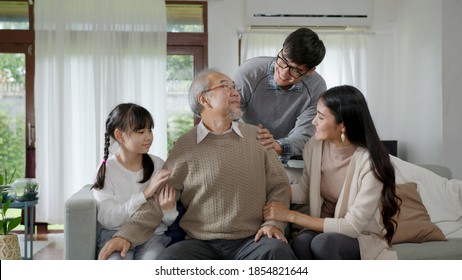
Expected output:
(26, 189)
(9, 243)
(5, 185)
(31, 190)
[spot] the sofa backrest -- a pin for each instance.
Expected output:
(441, 170)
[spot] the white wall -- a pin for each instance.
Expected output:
(225, 19)
(413, 72)
(381, 69)
(419, 89)
(452, 85)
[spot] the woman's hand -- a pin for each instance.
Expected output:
(167, 198)
(277, 211)
(159, 180)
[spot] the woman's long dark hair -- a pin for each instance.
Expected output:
(126, 117)
(349, 106)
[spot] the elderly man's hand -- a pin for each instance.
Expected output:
(115, 244)
(270, 232)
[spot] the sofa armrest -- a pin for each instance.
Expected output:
(81, 226)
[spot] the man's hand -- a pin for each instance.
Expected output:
(266, 139)
(115, 244)
(270, 232)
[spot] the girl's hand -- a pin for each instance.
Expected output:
(167, 199)
(159, 180)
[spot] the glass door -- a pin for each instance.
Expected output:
(17, 113)
(13, 114)
(180, 73)
(183, 62)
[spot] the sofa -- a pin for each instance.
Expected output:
(81, 228)
(441, 197)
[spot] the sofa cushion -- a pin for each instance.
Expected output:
(434, 250)
(414, 225)
(441, 197)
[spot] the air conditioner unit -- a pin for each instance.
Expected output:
(309, 13)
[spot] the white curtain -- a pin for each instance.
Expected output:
(344, 63)
(90, 56)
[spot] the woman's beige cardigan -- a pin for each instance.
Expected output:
(357, 212)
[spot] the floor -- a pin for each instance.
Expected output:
(55, 250)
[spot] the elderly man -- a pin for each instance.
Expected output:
(223, 177)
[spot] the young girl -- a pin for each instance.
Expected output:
(348, 182)
(127, 179)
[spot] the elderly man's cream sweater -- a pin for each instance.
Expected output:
(224, 181)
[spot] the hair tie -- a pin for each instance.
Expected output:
(104, 161)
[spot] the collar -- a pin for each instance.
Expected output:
(202, 131)
(272, 83)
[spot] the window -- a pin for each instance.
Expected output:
(14, 15)
(186, 55)
(185, 17)
(17, 113)
(17, 119)
(186, 47)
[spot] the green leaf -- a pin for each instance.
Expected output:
(8, 224)
(12, 223)
(6, 205)
(11, 177)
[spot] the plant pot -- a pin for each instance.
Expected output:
(7, 192)
(9, 247)
(29, 196)
(5, 196)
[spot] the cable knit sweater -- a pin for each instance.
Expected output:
(224, 181)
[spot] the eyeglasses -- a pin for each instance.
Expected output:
(283, 63)
(226, 87)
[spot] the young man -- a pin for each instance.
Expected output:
(280, 93)
(223, 177)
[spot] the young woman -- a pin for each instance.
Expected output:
(127, 179)
(348, 182)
